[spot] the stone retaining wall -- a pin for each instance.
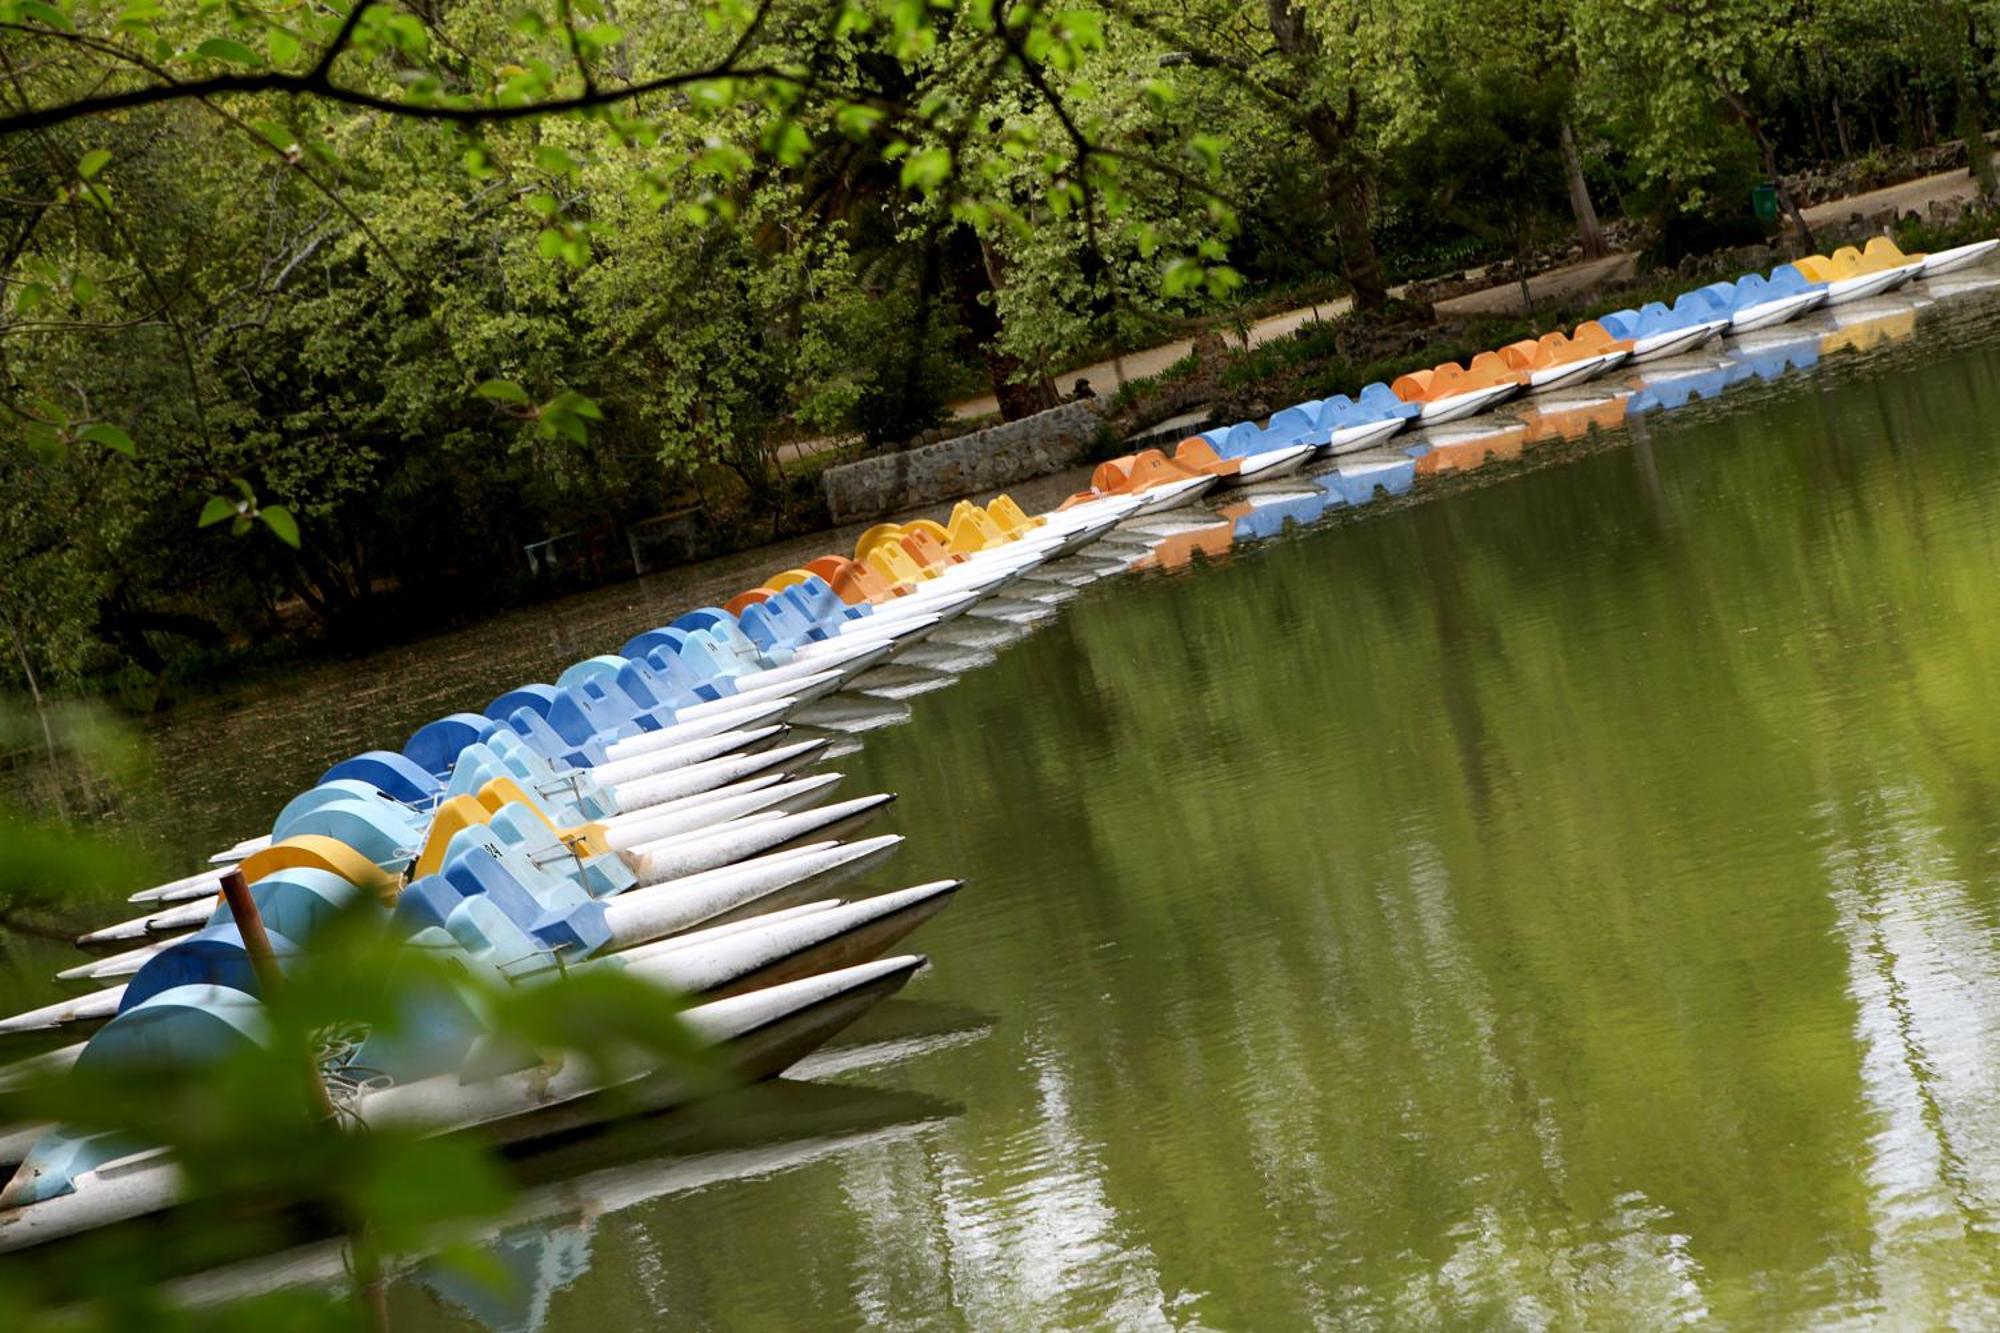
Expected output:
(985, 460)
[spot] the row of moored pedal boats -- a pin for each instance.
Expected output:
(1292, 438)
(653, 811)
(649, 811)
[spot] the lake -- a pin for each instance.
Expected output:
(1566, 896)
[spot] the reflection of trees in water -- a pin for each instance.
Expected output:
(1925, 981)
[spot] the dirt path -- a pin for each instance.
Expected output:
(1105, 377)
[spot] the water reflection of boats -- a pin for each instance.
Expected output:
(1770, 359)
(1572, 418)
(544, 1243)
(1870, 323)
(1177, 550)
(1260, 515)
(1667, 390)
(851, 714)
(1356, 477)
(1463, 448)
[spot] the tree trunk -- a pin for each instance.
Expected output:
(1978, 153)
(1587, 230)
(1770, 155)
(975, 274)
(1971, 120)
(1348, 194)
(1345, 188)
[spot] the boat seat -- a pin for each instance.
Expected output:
(1010, 517)
(749, 597)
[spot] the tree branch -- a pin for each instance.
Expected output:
(316, 83)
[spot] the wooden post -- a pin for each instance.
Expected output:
(257, 943)
(369, 1283)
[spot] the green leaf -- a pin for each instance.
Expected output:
(555, 161)
(1183, 275)
(110, 437)
(276, 134)
(84, 290)
(502, 391)
(927, 169)
(227, 49)
(280, 521)
(46, 14)
(31, 295)
(93, 162)
(215, 511)
(282, 44)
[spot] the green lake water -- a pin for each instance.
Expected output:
(1572, 901)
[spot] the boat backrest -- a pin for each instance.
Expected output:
(324, 793)
(319, 853)
(852, 581)
(434, 747)
(393, 774)
(1524, 355)
(1334, 412)
(1137, 472)
(1718, 300)
(889, 560)
(1490, 368)
(1885, 253)
(1415, 386)
(386, 838)
(748, 597)
(778, 622)
(1196, 454)
(974, 529)
(1294, 425)
(213, 956)
(927, 548)
(1785, 280)
(1003, 510)
(1240, 440)
(819, 601)
(1596, 338)
(876, 536)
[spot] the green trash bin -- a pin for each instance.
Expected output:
(1764, 202)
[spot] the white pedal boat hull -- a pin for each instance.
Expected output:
(1170, 495)
(1658, 346)
(762, 1033)
(1353, 439)
(1454, 407)
(1868, 284)
(1563, 376)
(1767, 313)
(1269, 464)
(1959, 256)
